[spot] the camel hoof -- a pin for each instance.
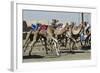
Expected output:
(47, 53)
(72, 52)
(58, 55)
(29, 53)
(24, 50)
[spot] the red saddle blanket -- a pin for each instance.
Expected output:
(43, 27)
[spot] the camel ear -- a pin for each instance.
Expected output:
(53, 19)
(57, 20)
(67, 24)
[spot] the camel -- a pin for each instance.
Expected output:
(87, 34)
(73, 33)
(50, 33)
(77, 31)
(37, 34)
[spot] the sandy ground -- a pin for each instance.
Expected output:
(39, 55)
(64, 56)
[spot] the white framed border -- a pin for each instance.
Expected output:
(16, 51)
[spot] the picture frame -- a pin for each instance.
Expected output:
(16, 27)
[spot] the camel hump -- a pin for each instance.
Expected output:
(75, 31)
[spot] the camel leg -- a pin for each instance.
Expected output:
(81, 42)
(66, 42)
(27, 38)
(55, 44)
(57, 49)
(26, 41)
(72, 43)
(35, 39)
(85, 42)
(72, 46)
(89, 40)
(45, 42)
(58, 46)
(32, 45)
(25, 48)
(76, 44)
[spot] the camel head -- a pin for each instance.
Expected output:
(39, 24)
(55, 21)
(24, 23)
(84, 24)
(67, 26)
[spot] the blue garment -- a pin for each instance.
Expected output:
(34, 27)
(82, 37)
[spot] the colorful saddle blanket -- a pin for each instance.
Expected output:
(35, 27)
(43, 27)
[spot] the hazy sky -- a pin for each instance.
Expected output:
(47, 16)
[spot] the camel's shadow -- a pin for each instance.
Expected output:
(33, 56)
(86, 48)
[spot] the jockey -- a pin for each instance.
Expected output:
(54, 23)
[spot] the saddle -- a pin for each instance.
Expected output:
(60, 24)
(43, 27)
(75, 27)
